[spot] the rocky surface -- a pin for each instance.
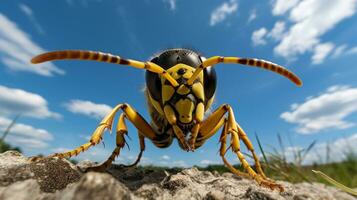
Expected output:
(51, 179)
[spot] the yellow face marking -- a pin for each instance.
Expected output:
(198, 90)
(170, 114)
(167, 92)
(183, 90)
(185, 108)
(200, 112)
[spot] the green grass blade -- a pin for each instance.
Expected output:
(262, 150)
(308, 150)
(335, 183)
(7, 131)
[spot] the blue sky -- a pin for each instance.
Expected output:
(61, 103)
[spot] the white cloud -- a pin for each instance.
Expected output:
(208, 162)
(165, 157)
(29, 13)
(311, 19)
(321, 51)
(88, 108)
(220, 13)
(324, 112)
(179, 163)
(24, 130)
(335, 150)
(282, 6)
(258, 36)
(17, 101)
(17, 49)
(172, 4)
(278, 31)
(252, 15)
(339, 51)
(25, 136)
(352, 51)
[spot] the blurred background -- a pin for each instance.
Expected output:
(54, 107)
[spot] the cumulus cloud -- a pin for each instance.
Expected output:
(223, 11)
(258, 36)
(325, 112)
(25, 136)
(165, 157)
(325, 152)
(278, 31)
(208, 162)
(17, 49)
(321, 51)
(310, 20)
(88, 108)
(282, 6)
(17, 101)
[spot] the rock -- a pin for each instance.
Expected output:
(58, 179)
(96, 185)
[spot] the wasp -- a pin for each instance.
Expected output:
(180, 88)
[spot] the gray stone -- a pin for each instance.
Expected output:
(58, 179)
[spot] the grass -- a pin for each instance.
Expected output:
(5, 146)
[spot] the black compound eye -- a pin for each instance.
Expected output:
(153, 83)
(210, 82)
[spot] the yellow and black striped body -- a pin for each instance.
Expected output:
(186, 104)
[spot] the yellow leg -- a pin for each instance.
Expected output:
(214, 122)
(142, 149)
(134, 117)
(243, 136)
(223, 151)
(210, 126)
(120, 143)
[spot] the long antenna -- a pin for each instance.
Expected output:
(102, 57)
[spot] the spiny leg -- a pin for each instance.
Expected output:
(134, 117)
(142, 149)
(96, 137)
(222, 151)
(230, 127)
(243, 136)
(210, 125)
(120, 143)
(258, 178)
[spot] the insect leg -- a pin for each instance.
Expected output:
(142, 149)
(211, 125)
(243, 136)
(223, 150)
(97, 135)
(120, 142)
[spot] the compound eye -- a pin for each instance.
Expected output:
(210, 82)
(153, 83)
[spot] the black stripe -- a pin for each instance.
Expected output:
(105, 57)
(243, 61)
(124, 62)
(86, 55)
(95, 56)
(114, 59)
